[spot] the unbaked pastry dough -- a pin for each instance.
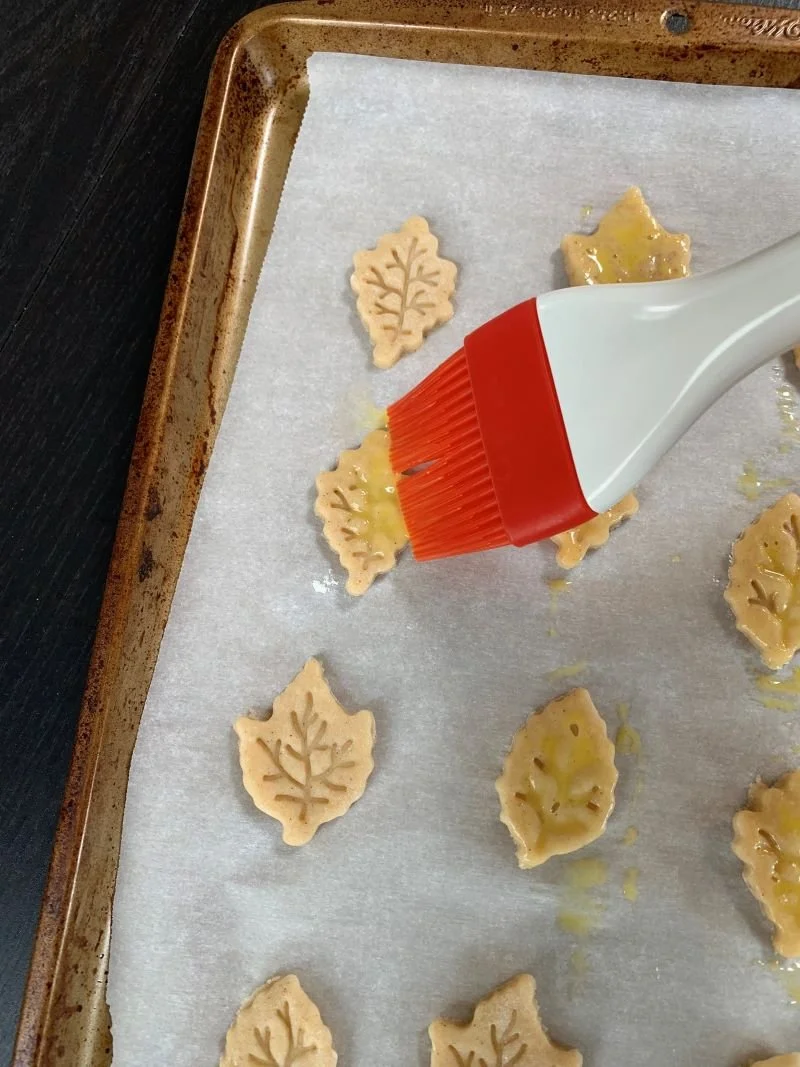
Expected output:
(360, 509)
(629, 245)
(557, 786)
(278, 1026)
(789, 1059)
(767, 841)
(404, 289)
(505, 1031)
(764, 581)
(574, 544)
(309, 761)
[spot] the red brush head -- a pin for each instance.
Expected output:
(483, 446)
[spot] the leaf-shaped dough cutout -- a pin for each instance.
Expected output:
(359, 506)
(309, 761)
(403, 288)
(764, 581)
(505, 1031)
(279, 1026)
(789, 1059)
(557, 786)
(629, 245)
(575, 543)
(796, 354)
(766, 838)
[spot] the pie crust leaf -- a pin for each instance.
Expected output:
(309, 761)
(404, 288)
(557, 787)
(766, 838)
(764, 581)
(505, 1031)
(629, 245)
(573, 544)
(360, 509)
(279, 1026)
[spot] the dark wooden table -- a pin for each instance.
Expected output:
(100, 101)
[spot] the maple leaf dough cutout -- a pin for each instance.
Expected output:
(403, 288)
(309, 761)
(505, 1031)
(789, 1059)
(629, 245)
(557, 787)
(360, 510)
(764, 581)
(766, 838)
(279, 1026)
(573, 544)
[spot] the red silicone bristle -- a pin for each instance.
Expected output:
(448, 500)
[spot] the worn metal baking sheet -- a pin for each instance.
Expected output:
(253, 109)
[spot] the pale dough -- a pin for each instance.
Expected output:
(574, 544)
(789, 1059)
(278, 1026)
(557, 787)
(764, 581)
(767, 841)
(629, 245)
(505, 1031)
(309, 761)
(403, 288)
(361, 513)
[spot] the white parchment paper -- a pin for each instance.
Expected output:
(412, 904)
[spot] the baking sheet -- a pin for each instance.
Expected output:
(412, 905)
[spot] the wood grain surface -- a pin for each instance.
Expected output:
(99, 105)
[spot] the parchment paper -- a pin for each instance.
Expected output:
(412, 904)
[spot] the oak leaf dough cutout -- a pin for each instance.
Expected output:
(764, 581)
(278, 1026)
(629, 245)
(557, 787)
(505, 1031)
(362, 520)
(403, 288)
(309, 761)
(789, 1059)
(766, 838)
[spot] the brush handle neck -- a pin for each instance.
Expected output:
(744, 315)
(635, 365)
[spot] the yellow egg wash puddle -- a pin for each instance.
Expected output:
(630, 884)
(571, 670)
(557, 587)
(580, 909)
(631, 836)
(578, 969)
(788, 974)
(675, 559)
(787, 412)
(779, 693)
(628, 741)
(751, 484)
(359, 414)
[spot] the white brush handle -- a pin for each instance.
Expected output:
(635, 365)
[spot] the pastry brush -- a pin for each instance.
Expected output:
(553, 411)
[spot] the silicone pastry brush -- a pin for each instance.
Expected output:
(554, 410)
